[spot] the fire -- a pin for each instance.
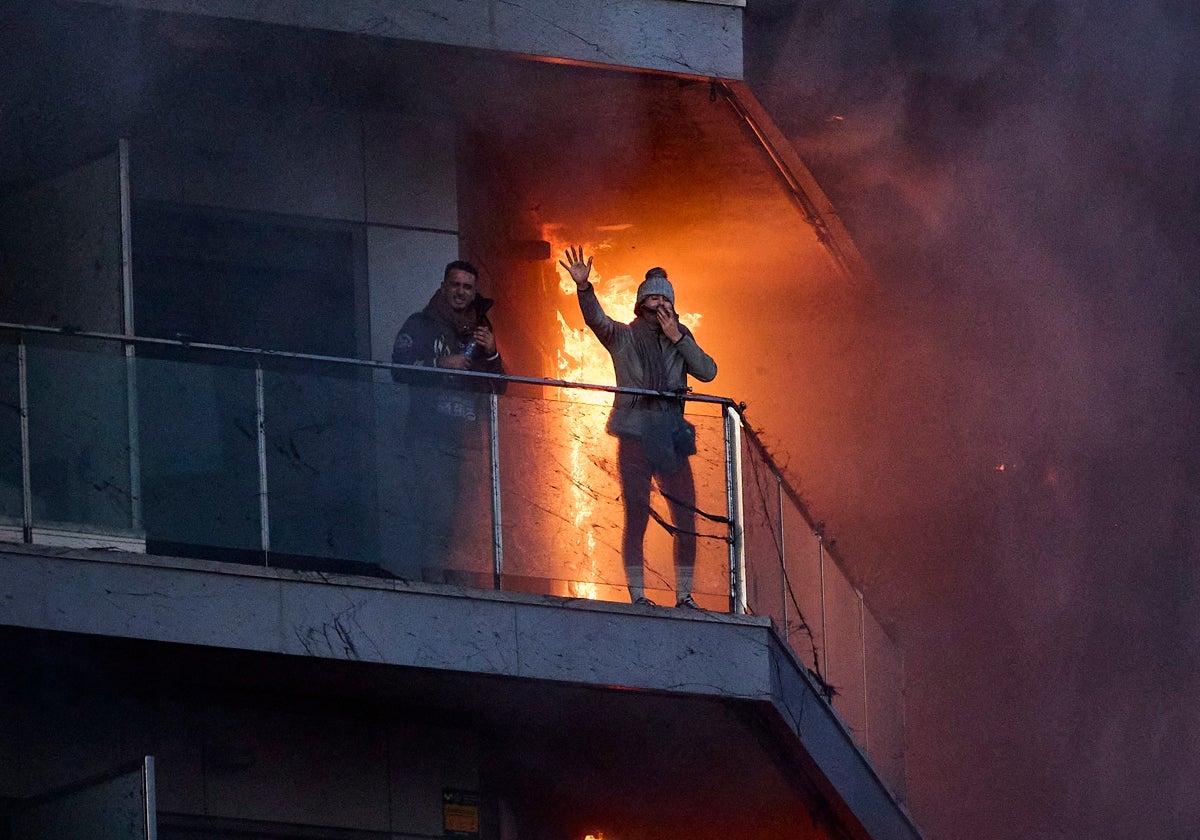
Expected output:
(581, 358)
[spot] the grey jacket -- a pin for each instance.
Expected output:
(681, 360)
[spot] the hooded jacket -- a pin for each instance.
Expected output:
(427, 336)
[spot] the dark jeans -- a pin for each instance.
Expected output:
(436, 462)
(679, 487)
(429, 517)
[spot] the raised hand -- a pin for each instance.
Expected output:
(576, 267)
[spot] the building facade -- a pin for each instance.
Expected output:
(214, 217)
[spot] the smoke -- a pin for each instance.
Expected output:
(1022, 177)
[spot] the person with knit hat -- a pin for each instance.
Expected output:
(452, 333)
(654, 352)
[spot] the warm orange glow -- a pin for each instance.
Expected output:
(581, 358)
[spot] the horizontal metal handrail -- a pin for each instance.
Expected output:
(261, 352)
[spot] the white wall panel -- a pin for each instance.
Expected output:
(404, 266)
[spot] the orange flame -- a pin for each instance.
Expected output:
(582, 358)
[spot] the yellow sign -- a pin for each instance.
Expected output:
(461, 819)
(460, 814)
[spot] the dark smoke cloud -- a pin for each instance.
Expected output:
(1025, 179)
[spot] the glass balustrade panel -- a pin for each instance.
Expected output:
(564, 511)
(763, 537)
(803, 602)
(844, 666)
(80, 441)
(884, 739)
(321, 466)
(430, 472)
(197, 433)
(11, 500)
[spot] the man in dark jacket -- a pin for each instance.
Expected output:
(452, 332)
(654, 352)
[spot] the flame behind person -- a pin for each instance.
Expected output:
(657, 353)
(452, 332)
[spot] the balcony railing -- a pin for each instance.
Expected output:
(310, 462)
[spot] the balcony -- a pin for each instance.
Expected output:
(297, 462)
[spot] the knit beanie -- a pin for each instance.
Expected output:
(656, 283)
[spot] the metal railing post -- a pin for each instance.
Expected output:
(824, 626)
(862, 632)
(150, 797)
(133, 440)
(734, 506)
(783, 578)
(497, 520)
(260, 425)
(26, 474)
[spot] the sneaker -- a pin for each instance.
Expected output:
(689, 603)
(644, 602)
